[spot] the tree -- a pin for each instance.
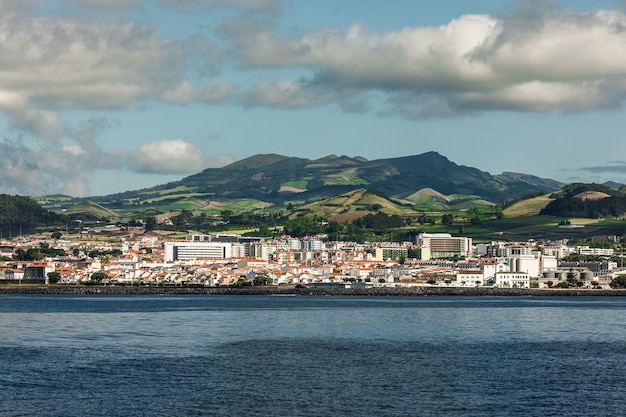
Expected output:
(151, 224)
(618, 282)
(54, 277)
(98, 276)
(262, 279)
(243, 282)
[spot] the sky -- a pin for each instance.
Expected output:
(106, 96)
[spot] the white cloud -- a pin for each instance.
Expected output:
(548, 60)
(168, 156)
(56, 63)
(69, 169)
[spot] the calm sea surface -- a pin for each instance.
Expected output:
(312, 356)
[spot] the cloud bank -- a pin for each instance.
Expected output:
(553, 60)
(538, 59)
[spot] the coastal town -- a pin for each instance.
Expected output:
(223, 260)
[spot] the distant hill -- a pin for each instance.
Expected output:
(25, 213)
(88, 210)
(528, 206)
(274, 180)
(613, 184)
(351, 205)
(587, 200)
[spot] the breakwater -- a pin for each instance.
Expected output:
(302, 290)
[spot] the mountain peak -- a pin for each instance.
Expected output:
(258, 161)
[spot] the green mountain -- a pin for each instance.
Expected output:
(587, 200)
(24, 213)
(274, 180)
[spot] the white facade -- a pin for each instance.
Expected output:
(534, 264)
(185, 251)
(470, 278)
(444, 245)
(512, 280)
(586, 250)
(490, 269)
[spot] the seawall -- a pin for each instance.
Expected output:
(306, 291)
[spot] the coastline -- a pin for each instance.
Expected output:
(306, 291)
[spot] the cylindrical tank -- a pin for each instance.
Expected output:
(549, 275)
(586, 276)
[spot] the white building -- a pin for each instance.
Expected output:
(512, 280)
(470, 278)
(534, 263)
(185, 251)
(444, 245)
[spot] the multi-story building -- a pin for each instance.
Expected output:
(444, 245)
(512, 280)
(470, 278)
(185, 251)
(391, 252)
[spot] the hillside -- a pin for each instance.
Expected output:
(270, 180)
(528, 206)
(349, 206)
(89, 210)
(587, 200)
(24, 213)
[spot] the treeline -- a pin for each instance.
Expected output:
(576, 207)
(360, 230)
(24, 212)
(36, 254)
(576, 188)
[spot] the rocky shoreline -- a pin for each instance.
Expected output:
(306, 291)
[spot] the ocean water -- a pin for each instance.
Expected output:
(312, 356)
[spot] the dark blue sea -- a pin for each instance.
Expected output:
(312, 356)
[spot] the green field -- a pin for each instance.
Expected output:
(296, 184)
(531, 227)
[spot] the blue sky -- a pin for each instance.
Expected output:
(105, 96)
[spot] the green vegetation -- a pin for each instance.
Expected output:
(618, 282)
(301, 184)
(23, 212)
(576, 207)
(405, 196)
(36, 254)
(446, 186)
(54, 277)
(97, 278)
(587, 200)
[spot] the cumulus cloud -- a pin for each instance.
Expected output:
(537, 59)
(54, 64)
(533, 61)
(68, 169)
(168, 156)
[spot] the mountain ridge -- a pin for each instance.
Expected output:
(277, 180)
